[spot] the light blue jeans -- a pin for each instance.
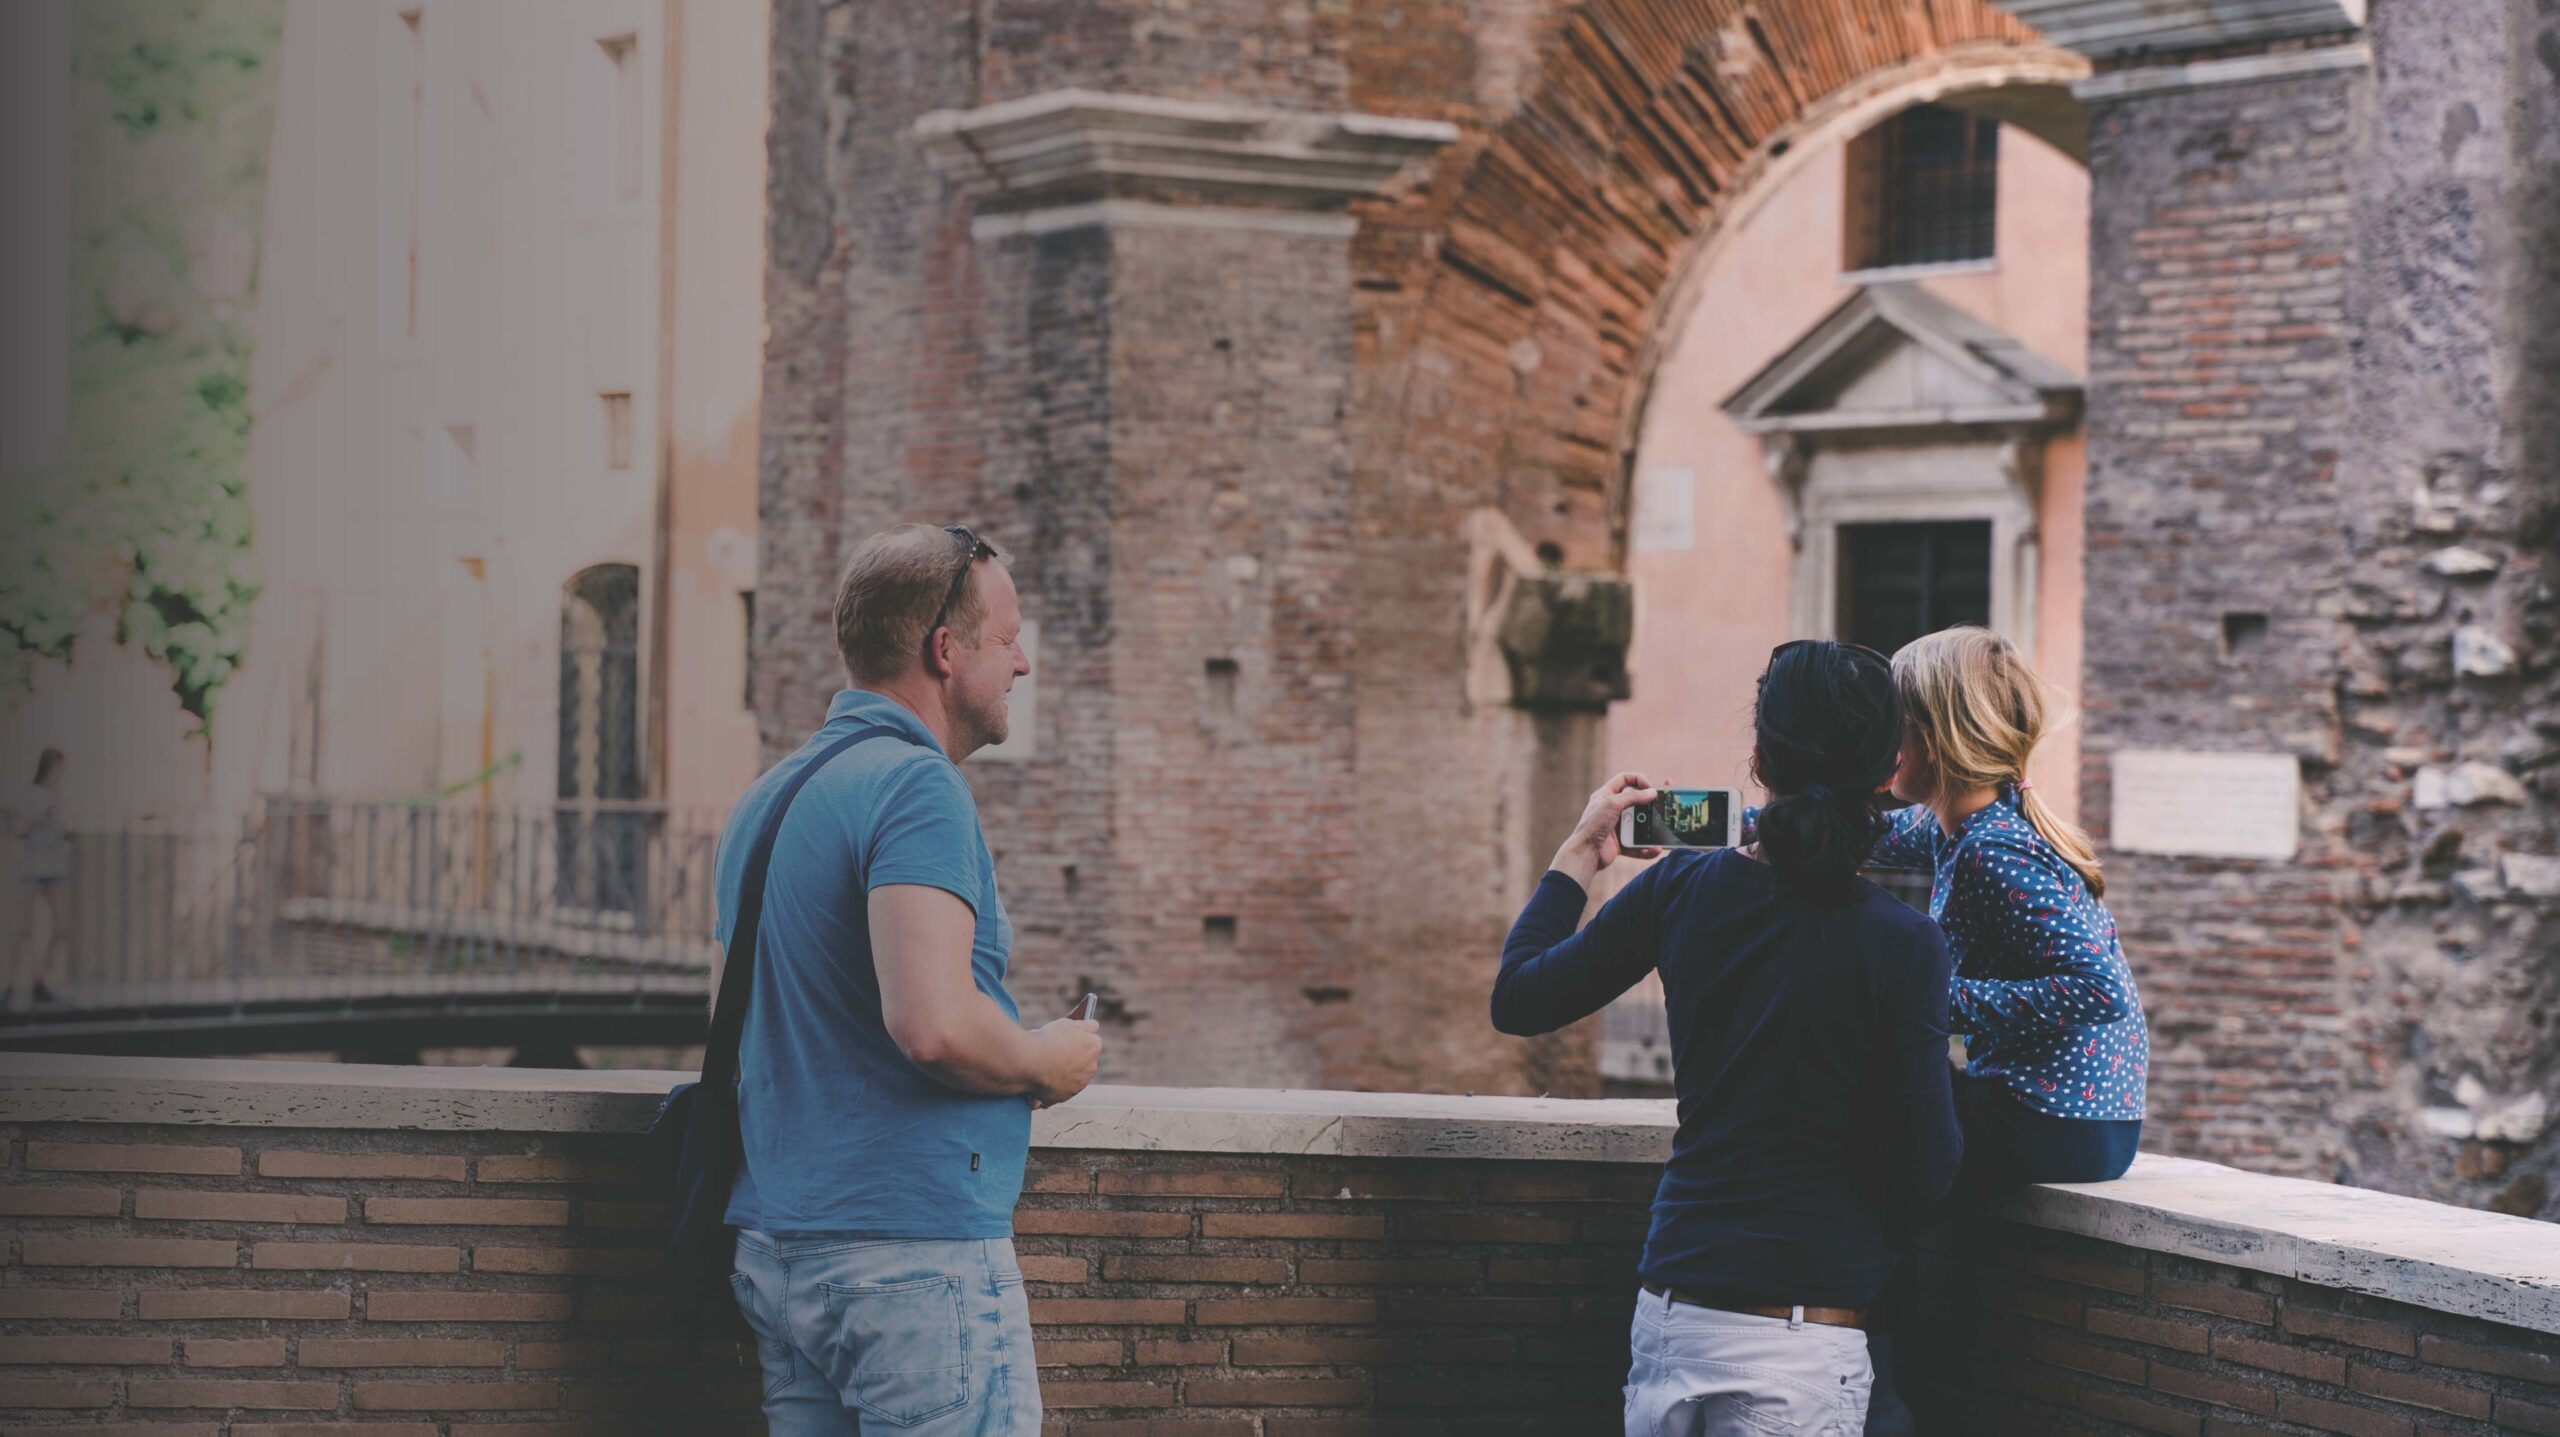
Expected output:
(860, 1336)
(1697, 1372)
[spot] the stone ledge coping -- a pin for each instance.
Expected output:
(2482, 1265)
(2427, 1254)
(60, 1088)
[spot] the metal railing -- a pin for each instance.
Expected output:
(320, 898)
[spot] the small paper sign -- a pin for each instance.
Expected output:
(1665, 511)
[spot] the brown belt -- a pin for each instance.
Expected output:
(1727, 1302)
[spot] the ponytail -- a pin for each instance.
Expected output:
(1829, 724)
(2068, 839)
(1816, 839)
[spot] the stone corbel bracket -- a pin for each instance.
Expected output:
(1067, 158)
(1537, 638)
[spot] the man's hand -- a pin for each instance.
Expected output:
(1070, 1050)
(930, 1003)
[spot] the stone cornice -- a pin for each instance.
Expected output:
(2119, 29)
(1092, 157)
(2237, 70)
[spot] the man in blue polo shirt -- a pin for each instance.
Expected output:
(885, 1083)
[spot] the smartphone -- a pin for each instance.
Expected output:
(1083, 1010)
(1683, 818)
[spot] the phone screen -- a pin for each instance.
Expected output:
(1684, 818)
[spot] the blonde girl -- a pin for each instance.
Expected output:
(2055, 1043)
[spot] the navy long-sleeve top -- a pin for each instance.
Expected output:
(1809, 1055)
(2042, 994)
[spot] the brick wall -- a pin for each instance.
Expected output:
(2221, 230)
(496, 1285)
(1263, 449)
(2058, 1333)
(2313, 398)
(276, 1282)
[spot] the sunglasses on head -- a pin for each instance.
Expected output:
(1792, 645)
(971, 549)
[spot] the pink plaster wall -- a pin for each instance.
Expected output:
(1706, 619)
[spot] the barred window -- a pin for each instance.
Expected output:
(1899, 581)
(1923, 189)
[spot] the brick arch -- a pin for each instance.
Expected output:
(1537, 275)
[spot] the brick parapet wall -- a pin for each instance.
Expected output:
(268, 1279)
(2061, 1333)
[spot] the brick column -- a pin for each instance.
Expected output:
(2321, 313)
(1168, 291)
(2221, 234)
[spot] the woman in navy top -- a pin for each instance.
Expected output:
(2055, 1045)
(1808, 1016)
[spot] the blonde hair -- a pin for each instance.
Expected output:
(893, 585)
(1980, 711)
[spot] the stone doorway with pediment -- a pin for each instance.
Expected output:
(1905, 440)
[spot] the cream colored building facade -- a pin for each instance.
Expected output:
(503, 466)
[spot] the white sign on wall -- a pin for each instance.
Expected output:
(1022, 710)
(1663, 515)
(2207, 805)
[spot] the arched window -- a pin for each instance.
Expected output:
(600, 684)
(602, 842)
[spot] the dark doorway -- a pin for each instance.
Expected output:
(1899, 581)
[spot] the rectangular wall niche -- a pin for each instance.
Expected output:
(2242, 632)
(623, 128)
(1218, 697)
(618, 439)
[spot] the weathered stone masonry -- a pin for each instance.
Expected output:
(2314, 400)
(2448, 786)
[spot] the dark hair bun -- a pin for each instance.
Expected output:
(1829, 724)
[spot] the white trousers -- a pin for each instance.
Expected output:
(1698, 1372)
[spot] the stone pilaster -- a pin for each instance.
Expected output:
(1184, 268)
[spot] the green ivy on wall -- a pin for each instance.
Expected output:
(146, 505)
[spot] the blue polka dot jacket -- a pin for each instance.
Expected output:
(2043, 996)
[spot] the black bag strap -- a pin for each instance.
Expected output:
(738, 959)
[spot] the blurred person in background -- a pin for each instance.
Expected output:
(44, 886)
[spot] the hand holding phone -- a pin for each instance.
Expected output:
(1078, 1052)
(1683, 818)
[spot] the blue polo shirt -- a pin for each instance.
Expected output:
(844, 1136)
